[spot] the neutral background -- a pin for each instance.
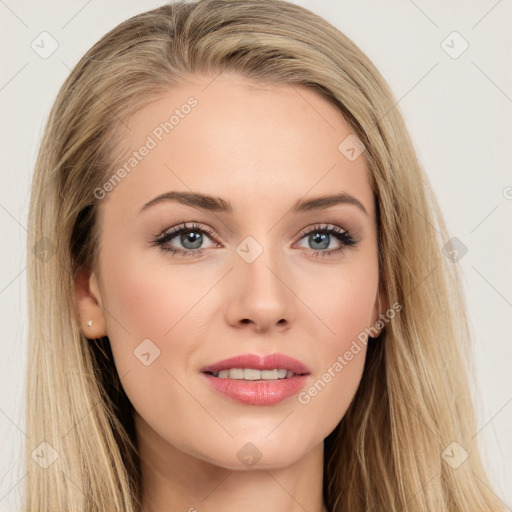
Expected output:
(458, 110)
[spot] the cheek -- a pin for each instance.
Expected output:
(348, 310)
(151, 328)
(155, 301)
(342, 299)
(148, 300)
(147, 313)
(345, 308)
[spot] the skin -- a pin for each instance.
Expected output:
(262, 148)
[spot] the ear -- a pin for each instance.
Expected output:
(90, 304)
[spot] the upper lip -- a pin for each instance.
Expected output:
(268, 362)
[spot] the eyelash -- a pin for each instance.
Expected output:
(343, 236)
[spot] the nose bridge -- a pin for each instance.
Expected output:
(260, 262)
(261, 280)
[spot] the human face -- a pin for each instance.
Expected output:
(258, 284)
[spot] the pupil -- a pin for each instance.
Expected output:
(322, 239)
(191, 237)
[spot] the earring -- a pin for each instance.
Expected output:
(89, 323)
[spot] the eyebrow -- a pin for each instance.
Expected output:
(217, 204)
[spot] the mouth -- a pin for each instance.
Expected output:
(254, 367)
(253, 374)
(256, 380)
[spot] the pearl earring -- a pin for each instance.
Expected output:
(89, 323)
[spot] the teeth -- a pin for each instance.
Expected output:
(268, 374)
(253, 374)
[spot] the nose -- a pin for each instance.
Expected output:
(260, 294)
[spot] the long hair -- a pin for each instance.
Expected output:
(389, 450)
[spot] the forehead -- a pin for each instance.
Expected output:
(231, 137)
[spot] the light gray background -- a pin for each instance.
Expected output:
(458, 111)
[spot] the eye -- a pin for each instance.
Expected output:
(190, 237)
(319, 239)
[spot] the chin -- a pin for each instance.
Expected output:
(243, 454)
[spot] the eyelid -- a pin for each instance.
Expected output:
(321, 226)
(175, 230)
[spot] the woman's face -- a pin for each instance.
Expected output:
(255, 274)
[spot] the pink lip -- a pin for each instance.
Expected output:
(258, 392)
(267, 362)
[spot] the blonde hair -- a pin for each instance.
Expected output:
(413, 400)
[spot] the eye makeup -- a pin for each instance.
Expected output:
(318, 234)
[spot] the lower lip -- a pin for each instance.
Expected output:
(258, 392)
